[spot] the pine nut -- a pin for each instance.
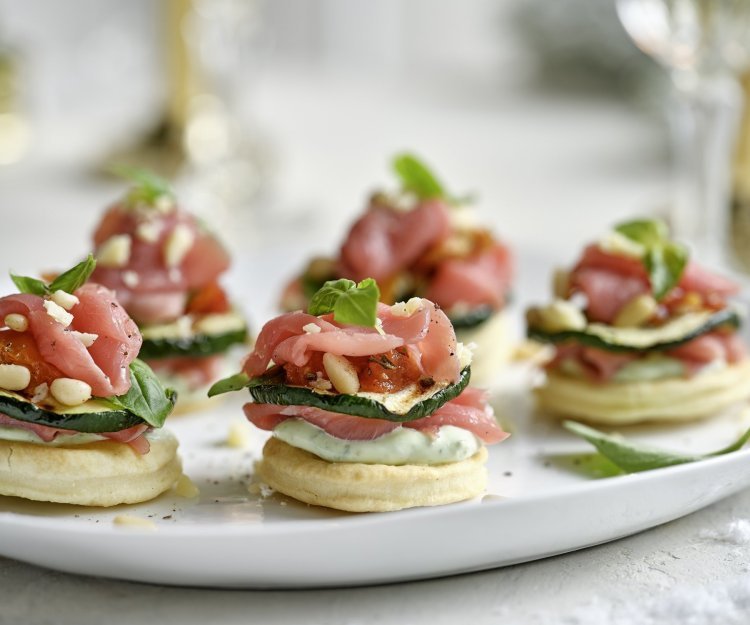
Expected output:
(17, 322)
(70, 392)
(14, 377)
(341, 373)
(636, 312)
(559, 316)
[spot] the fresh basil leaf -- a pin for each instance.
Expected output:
(75, 277)
(227, 385)
(664, 260)
(350, 303)
(633, 457)
(68, 281)
(29, 285)
(658, 273)
(238, 381)
(358, 307)
(146, 398)
(324, 300)
(416, 178)
(647, 232)
(735, 446)
(665, 265)
(310, 286)
(675, 258)
(147, 186)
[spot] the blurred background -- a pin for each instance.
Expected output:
(276, 118)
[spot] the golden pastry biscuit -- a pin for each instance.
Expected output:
(104, 473)
(356, 487)
(674, 399)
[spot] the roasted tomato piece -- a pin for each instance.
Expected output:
(208, 299)
(19, 348)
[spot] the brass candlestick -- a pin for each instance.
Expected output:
(14, 126)
(162, 149)
(739, 216)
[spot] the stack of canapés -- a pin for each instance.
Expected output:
(365, 381)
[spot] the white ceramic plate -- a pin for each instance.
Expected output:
(543, 499)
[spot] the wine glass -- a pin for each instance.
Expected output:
(704, 44)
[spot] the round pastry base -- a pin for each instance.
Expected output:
(104, 473)
(356, 487)
(674, 399)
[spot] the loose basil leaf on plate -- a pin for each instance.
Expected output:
(74, 278)
(633, 457)
(146, 398)
(29, 285)
(350, 303)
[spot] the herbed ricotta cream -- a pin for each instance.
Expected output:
(649, 369)
(401, 446)
(21, 435)
(9, 433)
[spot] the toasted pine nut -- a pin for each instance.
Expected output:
(636, 312)
(341, 373)
(559, 316)
(70, 392)
(14, 377)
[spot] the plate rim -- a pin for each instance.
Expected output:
(316, 526)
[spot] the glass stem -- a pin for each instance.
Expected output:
(704, 121)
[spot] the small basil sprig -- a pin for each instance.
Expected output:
(147, 187)
(664, 260)
(351, 303)
(235, 382)
(68, 281)
(147, 398)
(25, 284)
(241, 380)
(418, 179)
(633, 457)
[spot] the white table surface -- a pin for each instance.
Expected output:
(551, 173)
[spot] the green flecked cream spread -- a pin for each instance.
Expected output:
(21, 435)
(9, 433)
(401, 446)
(648, 369)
